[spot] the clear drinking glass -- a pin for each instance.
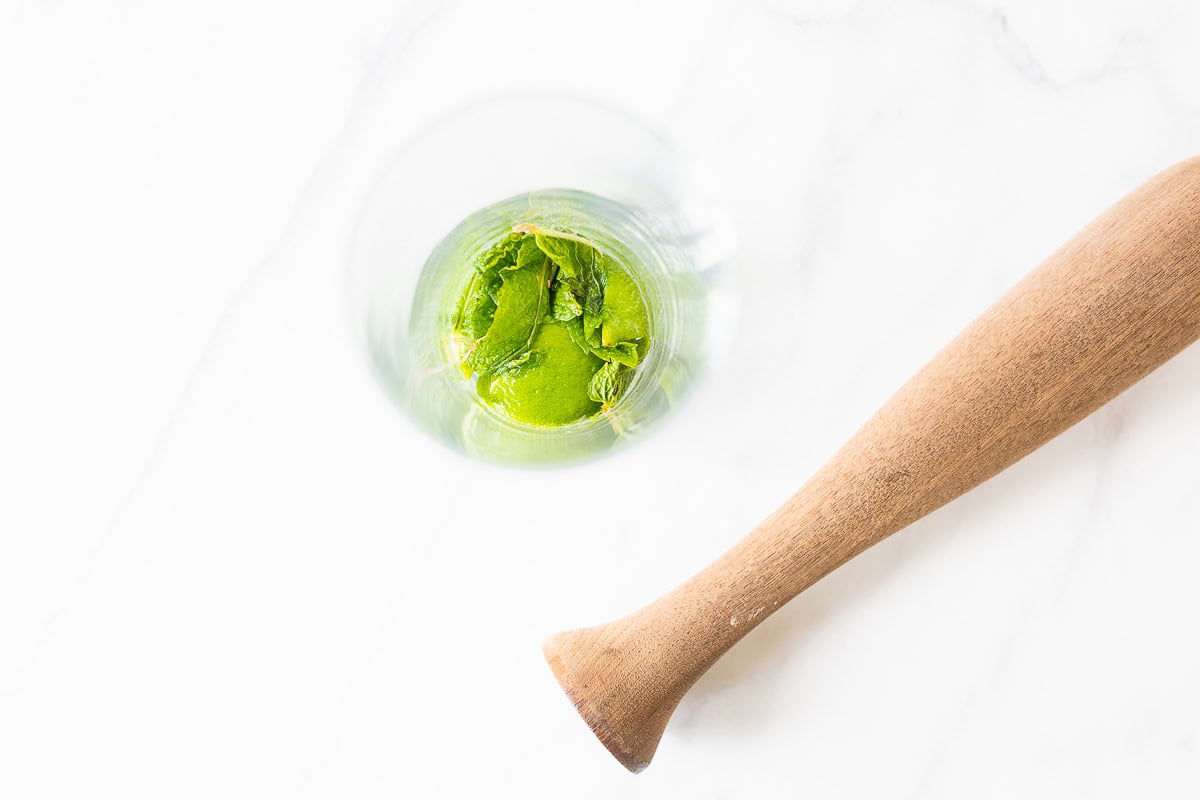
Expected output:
(461, 186)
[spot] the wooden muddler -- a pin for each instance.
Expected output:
(1108, 307)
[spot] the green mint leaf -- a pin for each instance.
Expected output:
(526, 361)
(625, 317)
(593, 275)
(528, 256)
(521, 302)
(607, 384)
(626, 353)
(623, 353)
(575, 331)
(565, 307)
(579, 262)
(499, 255)
(560, 251)
(478, 309)
(591, 328)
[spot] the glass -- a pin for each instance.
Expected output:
(622, 187)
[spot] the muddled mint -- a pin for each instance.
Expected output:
(551, 327)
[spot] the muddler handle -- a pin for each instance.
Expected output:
(1108, 307)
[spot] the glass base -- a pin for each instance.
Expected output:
(473, 175)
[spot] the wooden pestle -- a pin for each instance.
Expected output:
(1109, 306)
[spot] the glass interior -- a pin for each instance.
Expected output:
(621, 186)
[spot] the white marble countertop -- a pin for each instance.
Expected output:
(229, 568)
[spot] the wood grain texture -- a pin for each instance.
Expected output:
(1112, 304)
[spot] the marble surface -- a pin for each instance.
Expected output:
(229, 568)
